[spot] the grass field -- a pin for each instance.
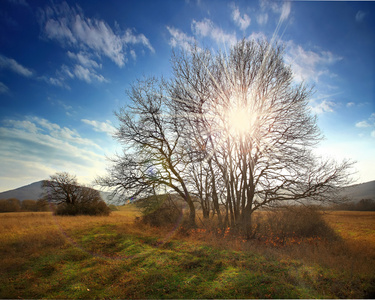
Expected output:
(44, 256)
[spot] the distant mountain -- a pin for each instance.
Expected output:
(361, 191)
(34, 191)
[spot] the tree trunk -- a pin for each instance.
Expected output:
(191, 212)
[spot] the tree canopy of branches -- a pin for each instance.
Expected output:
(233, 130)
(63, 189)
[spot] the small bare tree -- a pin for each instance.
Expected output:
(63, 189)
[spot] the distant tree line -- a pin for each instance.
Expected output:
(15, 205)
(362, 205)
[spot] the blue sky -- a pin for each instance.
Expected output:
(65, 66)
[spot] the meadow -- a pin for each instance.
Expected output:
(47, 256)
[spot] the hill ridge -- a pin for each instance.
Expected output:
(33, 191)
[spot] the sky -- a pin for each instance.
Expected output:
(65, 67)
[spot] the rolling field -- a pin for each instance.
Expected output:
(44, 256)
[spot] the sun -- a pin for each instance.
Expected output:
(239, 121)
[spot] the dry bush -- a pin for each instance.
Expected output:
(159, 211)
(294, 221)
(94, 208)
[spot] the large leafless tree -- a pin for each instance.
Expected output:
(234, 130)
(257, 128)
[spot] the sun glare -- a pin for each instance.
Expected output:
(239, 121)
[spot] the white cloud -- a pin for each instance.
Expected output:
(70, 27)
(350, 104)
(63, 133)
(106, 126)
(84, 59)
(262, 18)
(362, 124)
(11, 64)
(207, 28)
(323, 107)
(26, 125)
(133, 54)
(87, 75)
(130, 38)
(366, 125)
(273, 7)
(33, 152)
(257, 36)
(360, 16)
(285, 10)
(307, 64)
(3, 88)
(34, 148)
(242, 22)
(180, 39)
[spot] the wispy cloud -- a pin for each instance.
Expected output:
(19, 2)
(180, 39)
(87, 74)
(350, 104)
(360, 16)
(282, 8)
(367, 124)
(45, 147)
(362, 124)
(3, 88)
(106, 126)
(207, 28)
(241, 21)
(309, 65)
(285, 11)
(72, 29)
(262, 18)
(324, 106)
(84, 59)
(14, 66)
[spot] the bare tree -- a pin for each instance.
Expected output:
(154, 155)
(64, 188)
(257, 127)
(232, 129)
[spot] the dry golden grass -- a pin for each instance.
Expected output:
(354, 226)
(25, 237)
(352, 251)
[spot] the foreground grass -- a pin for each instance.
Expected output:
(42, 256)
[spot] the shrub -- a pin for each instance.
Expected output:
(94, 208)
(300, 221)
(159, 211)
